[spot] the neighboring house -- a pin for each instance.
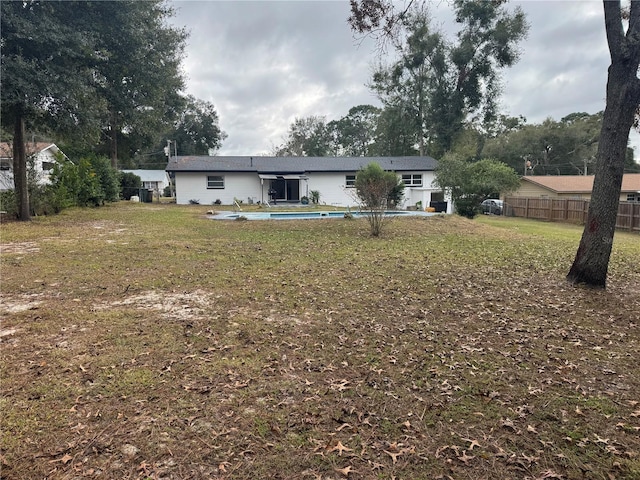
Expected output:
(155, 180)
(43, 155)
(574, 187)
(223, 180)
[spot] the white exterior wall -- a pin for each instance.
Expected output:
(193, 186)
(42, 176)
(332, 189)
(331, 185)
(423, 194)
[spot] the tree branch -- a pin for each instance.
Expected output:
(633, 33)
(613, 27)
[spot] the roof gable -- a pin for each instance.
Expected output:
(285, 165)
(6, 148)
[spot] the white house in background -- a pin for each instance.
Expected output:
(44, 157)
(210, 180)
(155, 180)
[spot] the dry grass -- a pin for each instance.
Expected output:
(144, 341)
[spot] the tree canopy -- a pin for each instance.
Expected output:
(67, 71)
(197, 129)
(472, 182)
(307, 137)
(137, 71)
(443, 83)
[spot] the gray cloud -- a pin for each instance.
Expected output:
(263, 63)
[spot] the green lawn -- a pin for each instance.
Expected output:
(147, 341)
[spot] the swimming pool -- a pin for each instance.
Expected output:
(288, 215)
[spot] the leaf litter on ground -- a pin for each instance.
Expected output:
(165, 345)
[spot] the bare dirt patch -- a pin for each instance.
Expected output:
(21, 248)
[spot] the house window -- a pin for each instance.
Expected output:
(350, 181)
(46, 166)
(5, 165)
(412, 180)
(215, 181)
(633, 197)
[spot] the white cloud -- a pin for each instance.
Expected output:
(263, 63)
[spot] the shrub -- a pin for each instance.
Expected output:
(130, 185)
(8, 203)
(108, 178)
(377, 189)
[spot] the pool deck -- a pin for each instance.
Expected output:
(276, 214)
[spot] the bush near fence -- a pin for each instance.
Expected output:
(568, 210)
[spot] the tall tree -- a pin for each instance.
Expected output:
(197, 130)
(355, 132)
(591, 262)
(65, 67)
(396, 132)
(138, 71)
(450, 82)
(46, 72)
(307, 137)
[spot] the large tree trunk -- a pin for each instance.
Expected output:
(20, 169)
(623, 97)
(113, 142)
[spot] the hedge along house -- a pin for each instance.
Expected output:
(207, 180)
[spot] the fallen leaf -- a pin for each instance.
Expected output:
(549, 474)
(464, 458)
(344, 471)
(472, 443)
(66, 458)
(394, 455)
(340, 448)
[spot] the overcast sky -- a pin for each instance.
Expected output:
(264, 63)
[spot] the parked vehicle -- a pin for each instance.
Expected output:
(492, 206)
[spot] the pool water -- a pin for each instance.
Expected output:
(308, 215)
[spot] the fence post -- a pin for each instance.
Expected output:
(585, 211)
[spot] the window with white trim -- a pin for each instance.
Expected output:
(350, 181)
(215, 181)
(412, 179)
(633, 197)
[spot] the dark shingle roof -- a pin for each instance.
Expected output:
(283, 165)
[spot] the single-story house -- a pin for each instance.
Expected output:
(155, 180)
(225, 179)
(574, 187)
(43, 154)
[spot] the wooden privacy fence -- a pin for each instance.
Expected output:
(568, 210)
